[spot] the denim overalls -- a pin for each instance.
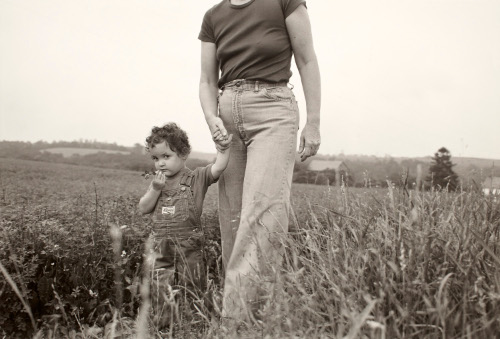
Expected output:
(178, 235)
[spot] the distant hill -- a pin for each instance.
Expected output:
(202, 156)
(459, 161)
(465, 165)
(478, 162)
(70, 151)
(363, 169)
(462, 163)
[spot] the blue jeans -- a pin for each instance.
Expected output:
(254, 190)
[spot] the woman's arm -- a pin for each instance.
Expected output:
(208, 90)
(299, 30)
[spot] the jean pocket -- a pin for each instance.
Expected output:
(278, 93)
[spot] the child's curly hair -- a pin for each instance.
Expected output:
(173, 135)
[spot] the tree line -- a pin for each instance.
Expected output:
(375, 172)
(439, 172)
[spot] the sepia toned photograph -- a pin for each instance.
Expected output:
(250, 169)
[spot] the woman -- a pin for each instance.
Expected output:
(251, 42)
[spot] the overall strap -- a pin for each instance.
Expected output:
(187, 179)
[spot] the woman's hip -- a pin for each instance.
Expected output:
(249, 112)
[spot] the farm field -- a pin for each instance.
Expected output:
(362, 263)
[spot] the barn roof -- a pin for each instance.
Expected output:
(321, 165)
(491, 182)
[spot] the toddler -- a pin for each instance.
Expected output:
(175, 199)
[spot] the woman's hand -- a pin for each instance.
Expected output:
(215, 124)
(222, 143)
(310, 140)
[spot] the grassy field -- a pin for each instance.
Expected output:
(364, 263)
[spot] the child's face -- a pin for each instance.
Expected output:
(166, 160)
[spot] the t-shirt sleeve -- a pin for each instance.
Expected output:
(203, 177)
(207, 30)
(291, 5)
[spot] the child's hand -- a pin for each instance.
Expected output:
(222, 144)
(159, 181)
(218, 136)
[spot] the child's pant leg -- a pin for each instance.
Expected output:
(163, 298)
(163, 280)
(190, 264)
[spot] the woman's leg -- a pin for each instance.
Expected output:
(231, 181)
(268, 123)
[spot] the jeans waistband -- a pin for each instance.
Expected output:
(252, 84)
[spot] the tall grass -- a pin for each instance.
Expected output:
(363, 263)
(411, 265)
(407, 265)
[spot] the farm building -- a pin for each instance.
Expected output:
(324, 165)
(491, 185)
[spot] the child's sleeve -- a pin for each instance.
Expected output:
(203, 176)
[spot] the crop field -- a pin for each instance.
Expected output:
(361, 263)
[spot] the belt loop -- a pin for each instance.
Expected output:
(256, 86)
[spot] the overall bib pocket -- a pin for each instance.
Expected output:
(172, 208)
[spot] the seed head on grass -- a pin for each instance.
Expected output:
(142, 328)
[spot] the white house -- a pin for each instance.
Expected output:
(491, 185)
(324, 165)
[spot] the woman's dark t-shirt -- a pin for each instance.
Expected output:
(251, 40)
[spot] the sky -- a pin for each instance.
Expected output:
(399, 77)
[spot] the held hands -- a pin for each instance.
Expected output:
(219, 134)
(159, 181)
(216, 125)
(310, 140)
(222, 143)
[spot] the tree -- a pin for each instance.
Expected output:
(441, 173)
